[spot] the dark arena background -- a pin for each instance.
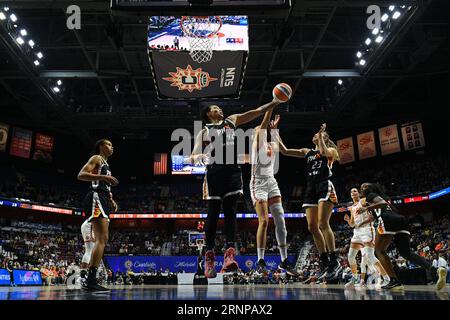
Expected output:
(73, 72)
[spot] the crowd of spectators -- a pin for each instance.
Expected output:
(399, 179)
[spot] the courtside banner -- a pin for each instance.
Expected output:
(186, 263)
(346, 150)
(366, 145)
(5, 277)
(177, 76)
(389, 140)
(4, 129)
(413, 137)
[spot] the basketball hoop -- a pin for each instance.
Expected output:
(201, 32)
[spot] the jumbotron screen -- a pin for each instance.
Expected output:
(165, 33)
(180, 165)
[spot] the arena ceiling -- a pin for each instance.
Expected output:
(310, 46)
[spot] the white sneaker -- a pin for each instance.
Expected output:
(361, 286)
(386, 281)
(351, 284)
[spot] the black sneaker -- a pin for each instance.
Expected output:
(94, 287)
(287, 267)
(394, 284)
(333, 270)
(261, 268)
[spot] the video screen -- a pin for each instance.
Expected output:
(165, 33)
(180, 165)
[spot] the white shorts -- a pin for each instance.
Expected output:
(87, 232)
(363, 235)
(263, 188)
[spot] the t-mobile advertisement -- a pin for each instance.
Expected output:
(5, 278)
(27, 278)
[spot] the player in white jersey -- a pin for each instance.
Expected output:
(87, 233)
(265, 194)
(363, 240)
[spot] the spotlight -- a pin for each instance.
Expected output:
(2, 16)
(368, 41)
(391, 8)
(6, 9)
(59, 82)
(23, 32)
(379, 39)
(362, 62)
(31, 43)
(56, 89)
(384, 17)
(13, 17)
(340, 82)
(20, 41)
(359, 54)
(396, 15)
(40, 55)
(375, 31)
(36, 63)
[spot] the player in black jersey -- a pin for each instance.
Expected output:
(320, 197)
(223, 180)
(394, 227)
(98, 204)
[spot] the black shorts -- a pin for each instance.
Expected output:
(390, 222)
(97, 204)
(319, 192)
(222, 181)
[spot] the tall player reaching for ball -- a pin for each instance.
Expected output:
(223, 180)
(98, 204)
(320, 197)
(363, 240)
(266, 194)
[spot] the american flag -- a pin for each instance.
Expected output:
(160, 164)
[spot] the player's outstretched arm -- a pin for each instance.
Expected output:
(242, 118)
(324, 150)
(298, 153)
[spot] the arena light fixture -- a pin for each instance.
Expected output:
(56, 89)
(362, 62)
(379, 39)
(391, 8)
(384, 17)
(31, 43)
(368, 41)
(20, 40)
(340, 82)
(396, 15)
(40, 55)
(36, 63)
(359, 54)
(6, 9)
(375, 31)
(59, 82)
(13, 17)
(2, 16)
(23, 32)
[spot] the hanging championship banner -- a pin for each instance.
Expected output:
(346, 150)
(413, 137)
(4, 129)
(21, 143)
(389, 140)
(366, 145)
(43, 148)
(177, 76)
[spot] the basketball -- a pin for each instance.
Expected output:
(282, 92)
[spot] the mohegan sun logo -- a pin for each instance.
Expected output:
(189, 79)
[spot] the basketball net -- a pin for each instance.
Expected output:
(200, 244)
(201, 32)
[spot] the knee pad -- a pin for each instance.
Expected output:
(280, 226)
(370, 258)
(88, 248)
(352, 256)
